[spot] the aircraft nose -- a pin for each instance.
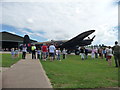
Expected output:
(93, 30)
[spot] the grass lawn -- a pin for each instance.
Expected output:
(76, 73)
(7, 60)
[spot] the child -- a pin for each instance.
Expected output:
(16, 52)
(38, 53)
(12, 53)
(58, 54)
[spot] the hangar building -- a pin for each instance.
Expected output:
(9, 40)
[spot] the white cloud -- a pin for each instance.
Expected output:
(64, 20)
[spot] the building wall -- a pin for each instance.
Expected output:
(8, 45)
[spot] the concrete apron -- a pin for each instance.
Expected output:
(27, 73)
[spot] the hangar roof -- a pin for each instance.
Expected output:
(6, 36)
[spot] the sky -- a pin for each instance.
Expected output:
(45, 20)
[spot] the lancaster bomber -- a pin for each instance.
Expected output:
(73, 44)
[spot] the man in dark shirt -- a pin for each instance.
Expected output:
(116, 52)
(86, 53)
(82, 50)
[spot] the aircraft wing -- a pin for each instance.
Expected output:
(81, 36)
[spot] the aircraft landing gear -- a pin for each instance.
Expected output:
(68, 52)
(77, 52)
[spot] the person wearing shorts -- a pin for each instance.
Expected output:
(52, 52)
(44, 49)
(109, 55)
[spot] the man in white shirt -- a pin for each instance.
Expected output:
(52, 51)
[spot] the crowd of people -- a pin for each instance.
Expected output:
(103, 52)
(14, 52)
(44, 52)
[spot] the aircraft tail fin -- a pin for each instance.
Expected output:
(93, 37)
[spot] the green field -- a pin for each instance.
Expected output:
(7, 60)
(76, 73)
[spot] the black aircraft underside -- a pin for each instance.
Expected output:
(74, 43)
(77, 43)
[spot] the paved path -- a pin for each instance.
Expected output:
(26, 73)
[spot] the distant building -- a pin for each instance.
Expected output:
(9, 40)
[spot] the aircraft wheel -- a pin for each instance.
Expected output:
(68, 52)
(77, 52)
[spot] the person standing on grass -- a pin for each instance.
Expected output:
(16, 52)
(38, 53)
(12, 53)
(104, 52)
(64, 53)
(52, 51)
(33, 49)
(93, 53)
(96, 53)
(86, 53)
(58, 52)
(101, 52)
(109, 56)
(44, 49)
(116, 52)
(24, 50)
(82, 50)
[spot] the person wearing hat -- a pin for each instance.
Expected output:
(116, 52)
